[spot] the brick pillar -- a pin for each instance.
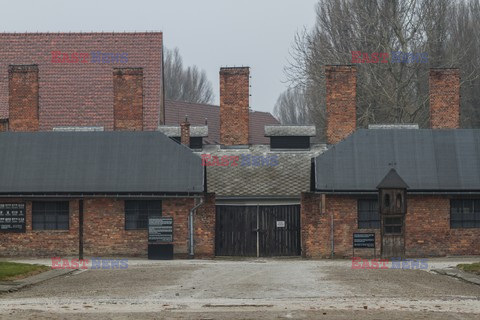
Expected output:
(445, 98)
(23, 98)
(341, 83)
(234, 105)
(315, 227)
(128, 99)
(185, 133)
(204, 225)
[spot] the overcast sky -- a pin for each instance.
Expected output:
(209, 33)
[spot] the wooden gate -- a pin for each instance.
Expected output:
(263, 231)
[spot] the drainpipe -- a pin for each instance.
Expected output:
(190, 225)
(331, 237)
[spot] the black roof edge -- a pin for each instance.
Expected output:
(414, 192)
(101, 195)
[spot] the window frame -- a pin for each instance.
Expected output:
(42, 208)
(373, 208)
(136, 207)
(393, 225)
(458, 220)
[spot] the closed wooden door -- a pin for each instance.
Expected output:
(393, 236)
(263, 231)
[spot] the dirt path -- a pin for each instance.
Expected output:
(247, 289)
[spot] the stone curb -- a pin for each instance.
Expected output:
(459, 274)
(6, 287)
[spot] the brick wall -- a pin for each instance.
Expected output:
(205, 228)
(428, 231)
(445, 98)
(41, 243)
(315, 227)
(341, 90)
(23, 98)
(234, 105)
(104, 231)
(427, 228)
(345, 223)
(105, 234)
(128, 99)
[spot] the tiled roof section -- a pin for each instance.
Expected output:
(289, 178)
(81, 94)
(175, 112)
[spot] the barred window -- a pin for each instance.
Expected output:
(50, 215)
(465, 213)
(138, 211)
(368, 216)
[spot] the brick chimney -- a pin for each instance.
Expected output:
(185, 132)
(128, 99)
(341, 83)
(23, 98)
(234, 105)
(445, 98)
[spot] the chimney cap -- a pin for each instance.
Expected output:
(290, 130)
(175, 131)
(394, 126)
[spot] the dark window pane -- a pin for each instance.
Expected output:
(292, 142)
(50, 215)
(137, 213)
(37, 225)
(465, 213)
(196, 142)
(368, 216)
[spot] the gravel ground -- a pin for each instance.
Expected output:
(247, 289)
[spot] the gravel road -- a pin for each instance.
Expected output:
(247, 289)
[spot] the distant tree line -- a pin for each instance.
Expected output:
(185, 83)
(447, 30)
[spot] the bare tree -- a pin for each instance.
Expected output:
(292, 107)
(185, 84)
(389, 92)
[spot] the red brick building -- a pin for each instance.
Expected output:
(440, 166)
(62, 192)
(257, 197)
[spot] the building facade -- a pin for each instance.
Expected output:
(440, 166)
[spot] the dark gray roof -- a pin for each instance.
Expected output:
(392, 181)
(289, 177)
(97, 162)
(427, 160)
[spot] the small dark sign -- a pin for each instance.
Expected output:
(12, 217)
(364, 240)
(160, 229)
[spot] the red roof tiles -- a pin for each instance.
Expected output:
(175, 112)
(80, 93)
